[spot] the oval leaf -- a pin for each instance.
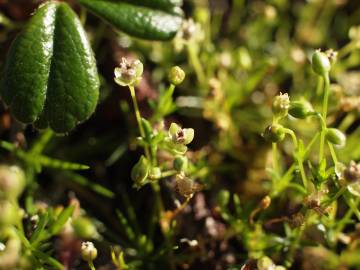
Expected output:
(50, 74)
(153, 20)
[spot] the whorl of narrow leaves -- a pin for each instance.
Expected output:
(50, 76)
(147, 19)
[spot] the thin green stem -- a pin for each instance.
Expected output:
(296, 241)
(326, 97)
(274, 158)
(347, 217)
(324, 116)
(298, 158)
(347, 49)
(168, 173)
(138, 118)
(340, 192)
(293, 136)
(91, 265)
(347, 121)
(195, 62)
(288, 173)
(319, 86)
(333, 153)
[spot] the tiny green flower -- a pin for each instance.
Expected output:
(281, 105)
(129, 72)
(180, 135)
(265, 263)
(320, 63)
(332, 55)
(88, 251)
(190, 31)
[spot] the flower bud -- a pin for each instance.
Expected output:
(336, 137)
(84, 228)
(147, 129)
(180, 163)
(265, 202)
(274, 133)
(181, 135)
(320, 63)
(155, 173)
(190, 31)
(354, 33)
(129, 72)
(352, 172)
(223, 198)
(300, 109)
(140, 171)
(10, 249)
(265, 263)
(281, 105)
(176, 75)
(88, 251)
(9, 213)
(12, 181)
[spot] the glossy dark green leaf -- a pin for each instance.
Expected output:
(147, 19)
(50, 75)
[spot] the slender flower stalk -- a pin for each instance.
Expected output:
(138, 117)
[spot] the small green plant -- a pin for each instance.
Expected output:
(192, 157)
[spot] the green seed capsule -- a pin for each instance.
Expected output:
(84, 228)
(320, 63)
(300, 109)
(140, 171)
(176, 75)
(274, 133)
(180, 163)
(335, 136)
